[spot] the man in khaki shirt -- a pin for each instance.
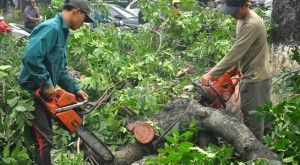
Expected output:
(250, 55)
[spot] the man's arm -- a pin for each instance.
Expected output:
(69, 84)
(31, 18)
(244, 41)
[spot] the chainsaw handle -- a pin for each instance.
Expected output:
(49, 105)
(38, 94)
(236, 79)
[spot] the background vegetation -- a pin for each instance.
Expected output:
(138, 70)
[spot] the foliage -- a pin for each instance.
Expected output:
(143, 76)
(15, 104)
(54, 7)
(13, 16)
(136, 71)
(179, 149)
(284, 135)
(287, 82)
(66, 157)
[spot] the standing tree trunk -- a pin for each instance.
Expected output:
(286, 13)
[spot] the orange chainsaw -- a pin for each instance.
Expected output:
(65, 107)
(218, 91)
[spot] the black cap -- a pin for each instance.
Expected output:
(231, 6)
(83, 5)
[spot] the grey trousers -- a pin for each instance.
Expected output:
(252, 95)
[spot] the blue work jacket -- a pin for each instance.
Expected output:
(45, 61)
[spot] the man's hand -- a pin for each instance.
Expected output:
(205, 79)
(40, 19)
(48, 93)
(82, 95)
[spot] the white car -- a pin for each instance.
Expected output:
(133, 7)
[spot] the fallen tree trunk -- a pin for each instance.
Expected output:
(229, 128)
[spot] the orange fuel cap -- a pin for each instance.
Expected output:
(143, 132)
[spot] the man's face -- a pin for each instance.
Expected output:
(241, 12)
(32, 3)
(237, 15)
(77, 19)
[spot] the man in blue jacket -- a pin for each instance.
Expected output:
(44, 66)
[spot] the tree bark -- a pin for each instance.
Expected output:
(286, 14)
(229, 128)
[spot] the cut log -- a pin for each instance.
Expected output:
(229, 128)
(232, 130)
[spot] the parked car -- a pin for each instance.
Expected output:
(128, 18)
(116, 14)
(133, 7)
(122, 3)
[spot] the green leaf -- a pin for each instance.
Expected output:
(21, 108)
(210, 155)
(164, 160)
(281, 144)
(5, 67)
(296, 55)
(186, 159)
(7, 160)
(169, 149)
(186, 145)
(12, 102)
(174, 155)
(10, 94)
(3, 74)
(175, 133)
(64, 140)
(193, 123)
(6, 151)
(187, 134)
(171, 140)
(288, 159)
(286, 133)
(23, 154)
(15, 151)
(197, 155)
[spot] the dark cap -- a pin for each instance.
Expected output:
(231, 6)
(83, 5)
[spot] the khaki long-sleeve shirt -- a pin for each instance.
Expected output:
(250, 52)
